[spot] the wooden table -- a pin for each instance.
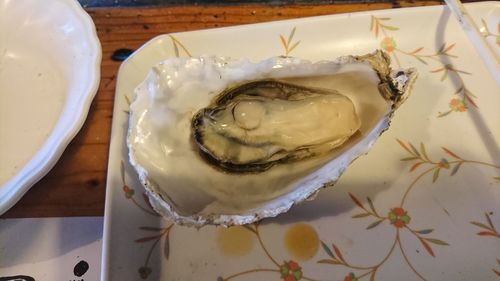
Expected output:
(76, 185)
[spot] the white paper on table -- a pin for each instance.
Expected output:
(50, 248)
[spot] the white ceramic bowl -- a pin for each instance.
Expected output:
(49, 73)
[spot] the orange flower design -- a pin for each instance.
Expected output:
(457, 105)
(388, 44)
(398, 217)
(291, 271)
(129, 192)
(350, 277)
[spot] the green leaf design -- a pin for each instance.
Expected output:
(388, 27)
(372, 207)
(485, 25)
(459, 90)
(374, 224)
(284, 269)
(297, 274)
(481, 225)
(444, 76)
(435, 175)
(424, 231)
(127, 99)
(122, 172)
(176, 43)
(462, 71)
(327, 250)
(423, 151)
(469, 93)
(455, 168)
(149, 238)
(405, 218)
(437, 241)
(176, 49)
(443, 114)
(326, 261)
(392, 216)
(294, 46)
(415, 151)
(441, 49)
(361, 215)
(129, 193)
(409, 158)
(292, 33)
(489, 220)
(420, 60)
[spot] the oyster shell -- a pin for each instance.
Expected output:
(165, 136)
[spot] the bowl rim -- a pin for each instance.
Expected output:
(47, 156)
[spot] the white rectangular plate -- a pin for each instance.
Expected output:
(433, 216)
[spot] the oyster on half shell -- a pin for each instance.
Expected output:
(254, 126)
(225, 141)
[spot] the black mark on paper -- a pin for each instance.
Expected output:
(80, 268)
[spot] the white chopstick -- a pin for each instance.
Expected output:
(483, 49)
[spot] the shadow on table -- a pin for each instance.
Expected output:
(330, 202)
(475, 115)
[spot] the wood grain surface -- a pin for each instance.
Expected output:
(76, 185)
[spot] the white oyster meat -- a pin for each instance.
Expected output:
(227, 141)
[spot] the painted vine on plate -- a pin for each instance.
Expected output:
(288, 44)
(485, 31)
(463, 99)
(155, 235)
(396, 217)
(488, 229)
(399, 218)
